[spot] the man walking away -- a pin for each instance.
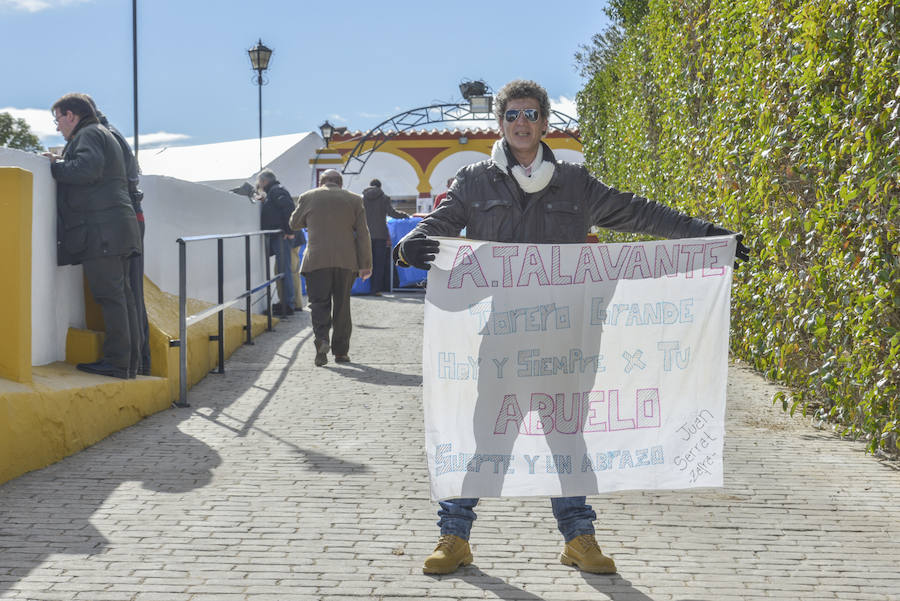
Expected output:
(338, 248)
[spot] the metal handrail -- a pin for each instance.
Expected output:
(185, 320)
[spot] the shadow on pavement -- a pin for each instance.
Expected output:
(50, 511)
(613, 586)
(496, 586)
(375, 375)
(418, 298)
(321, 463)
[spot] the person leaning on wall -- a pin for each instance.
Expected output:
(136, 271)
(277, 207)
(97, 228)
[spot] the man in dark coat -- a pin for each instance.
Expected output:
(136, 271)
(276, 215)
(97, 228)
(523, 194)
(378, 207)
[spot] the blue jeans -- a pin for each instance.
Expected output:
(574, 516)
(282, 251)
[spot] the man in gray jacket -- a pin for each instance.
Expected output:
(523, 194)
(97, 228)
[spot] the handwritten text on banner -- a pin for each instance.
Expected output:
(574, 369)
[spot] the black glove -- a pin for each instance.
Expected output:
(417, 251)
(741, 253)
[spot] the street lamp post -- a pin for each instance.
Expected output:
(327, 131)
(259, 59)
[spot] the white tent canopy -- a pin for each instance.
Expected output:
(227, 165)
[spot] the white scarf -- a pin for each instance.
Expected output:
(539, 177)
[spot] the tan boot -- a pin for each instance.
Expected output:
(450, 553)
(584, 552)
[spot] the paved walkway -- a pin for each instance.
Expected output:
(285, 482)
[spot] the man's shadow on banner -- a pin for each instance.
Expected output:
(498, 420)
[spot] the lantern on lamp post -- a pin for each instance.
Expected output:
(327, 131)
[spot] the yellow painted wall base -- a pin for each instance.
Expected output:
(83, 346)
(15, 273)
(64, 410)
(203, 355)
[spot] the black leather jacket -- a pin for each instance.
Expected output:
(488, 202)
(277, 209)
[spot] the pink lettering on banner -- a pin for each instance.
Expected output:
(594, 263)
(578, 412)
(466, 264)
(532, 265)
(711, 260)
(506, 253)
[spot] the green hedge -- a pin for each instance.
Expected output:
(780, 120)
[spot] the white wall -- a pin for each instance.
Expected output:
(570, 156)
(448, 167)
(173, 209)
(57, 297)
(398, 177)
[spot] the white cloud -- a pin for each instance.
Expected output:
(39, 120)
(565, 105)
(34, 6)
(157, 139)
(41, 123)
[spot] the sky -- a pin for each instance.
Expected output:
(355, 63)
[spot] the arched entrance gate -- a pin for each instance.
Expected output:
(402, 136)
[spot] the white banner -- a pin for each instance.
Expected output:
(575, 369)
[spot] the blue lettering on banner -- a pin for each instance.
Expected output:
(446, 461)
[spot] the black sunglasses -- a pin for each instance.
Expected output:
(530, 114)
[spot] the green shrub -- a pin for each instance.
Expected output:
(781, 120)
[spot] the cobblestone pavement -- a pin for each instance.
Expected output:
(286, 482)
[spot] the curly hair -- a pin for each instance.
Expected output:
(522, 88)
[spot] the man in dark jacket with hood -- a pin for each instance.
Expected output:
(378, 207)
(136, 271)
(97, 228)
(523, 194)
(277, 207)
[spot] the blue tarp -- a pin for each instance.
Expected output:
(405, 276)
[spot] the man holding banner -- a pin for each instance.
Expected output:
(522, 194)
